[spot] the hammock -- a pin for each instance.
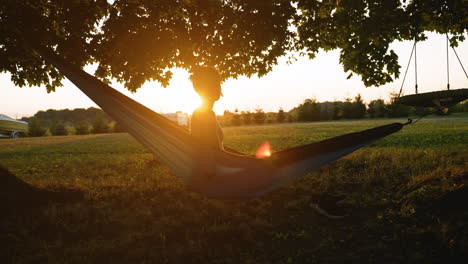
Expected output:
(440, 99)
(236, 176)
(443, 99)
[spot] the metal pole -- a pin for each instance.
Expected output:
(448, 71)
(415, 68)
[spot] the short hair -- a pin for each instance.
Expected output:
(205, 79)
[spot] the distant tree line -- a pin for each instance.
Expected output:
(312, 110)
(82, 121)
(78, 121)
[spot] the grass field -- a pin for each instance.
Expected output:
(407, 202)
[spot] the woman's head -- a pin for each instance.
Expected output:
(206, 81)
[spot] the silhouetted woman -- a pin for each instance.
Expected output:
(204, 126)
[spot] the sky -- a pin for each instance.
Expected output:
(285, 87)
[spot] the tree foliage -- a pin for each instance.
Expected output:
(82, 128)
(281, 116)
(76, 120)
(141, 40)
(246, 117)
(362, 30)
(58, 129)
(358, 108)
(259, 116)
(65, 26)
(377, 108)
(236, 118)
(73, 117)
(397, 110)
(36, 129)
(309, 110)
(136, 41)
(100, 126)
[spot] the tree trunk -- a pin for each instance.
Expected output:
(16, 194)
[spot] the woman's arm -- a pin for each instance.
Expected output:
(220, 135)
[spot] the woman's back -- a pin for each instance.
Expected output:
(205, 129)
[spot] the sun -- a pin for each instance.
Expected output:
(179, 95)
(188, 102)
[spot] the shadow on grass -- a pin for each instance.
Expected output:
(163, 221)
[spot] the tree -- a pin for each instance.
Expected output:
(327, 110)
(82, 128)
(363, 30)
(377, 108)
(238, 37)
(52, 24)
(58, 129)
(397, 110)
(162, 35)
(246, 117)
(309, 111)
(358, 108)
(35, 128)
(51, 117)
(225, 119)
(236, 119)
(346, 108)
(281, 116)
(337, 113)
(259, 116)
(100, 126)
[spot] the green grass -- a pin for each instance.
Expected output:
(135, 210)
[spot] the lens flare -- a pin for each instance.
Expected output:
(264, 151)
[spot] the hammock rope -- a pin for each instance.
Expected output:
(407, 68)
(459, 61)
